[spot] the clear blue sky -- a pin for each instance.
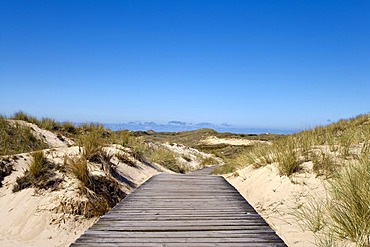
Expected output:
(279, 64)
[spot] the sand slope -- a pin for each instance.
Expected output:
(275, 198)
(213, 140)
(46, 136)
(42, 218)
(45, 218)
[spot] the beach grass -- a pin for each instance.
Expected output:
(41, 174)
(16, 138)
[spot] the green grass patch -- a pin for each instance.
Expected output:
(165, 158)
(225, 169)
(15, 138)
(349, 208)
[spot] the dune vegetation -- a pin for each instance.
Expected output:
(95, 144)
(338, 152)
(102, 190)
(16, 138)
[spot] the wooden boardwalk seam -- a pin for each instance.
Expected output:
(182, 210)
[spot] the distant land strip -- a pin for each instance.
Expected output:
(177, 126)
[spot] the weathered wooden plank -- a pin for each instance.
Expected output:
(94, 239)
(177, 218)
(161, 210)
(268, 232)
(179, 228)
(181, 244)
(194, 224)
(182, 210)
(180, 213)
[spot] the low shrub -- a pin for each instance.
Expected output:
(41, 174)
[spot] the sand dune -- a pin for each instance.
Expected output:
(212, 140)
(42, 217)
(37, 217)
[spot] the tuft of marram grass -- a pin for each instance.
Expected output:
(324, 164)
(92, 127)
(15, 138)
(38, 164)
(49, 124)
(225, 169)
(20, 115)
(346, 212)
(93, 145)
(349, 208)
(41, 174)
(165, 158)
(259, 155)
(287, 156)
(139, 149)
(78, 167)
(122, 137)
(311, 215)
(102, 192)
(208, 161)
(69, 127)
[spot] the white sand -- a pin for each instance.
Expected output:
(39, 218)
(183, 152)
(275, 197)
(42, 218)
(44, 135)
(30, 218)
(212, 140)
(36, 218)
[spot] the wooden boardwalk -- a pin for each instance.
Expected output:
(182, 210)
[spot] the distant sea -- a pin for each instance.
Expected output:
(178, 127)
